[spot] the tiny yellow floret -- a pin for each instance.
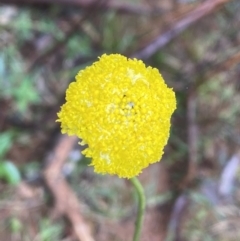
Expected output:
(121, 109)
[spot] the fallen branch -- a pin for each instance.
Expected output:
(66, 202)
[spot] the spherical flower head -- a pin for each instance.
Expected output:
(121, 109)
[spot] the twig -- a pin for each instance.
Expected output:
(192, 136)
(201, 11)
(66, 202)
(179, 208)
(228, 176)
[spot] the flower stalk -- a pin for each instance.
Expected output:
(141, 207)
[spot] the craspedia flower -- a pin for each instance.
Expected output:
(121, 109)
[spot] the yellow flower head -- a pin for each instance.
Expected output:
(121, 109)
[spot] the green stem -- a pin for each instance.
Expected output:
(141, 207)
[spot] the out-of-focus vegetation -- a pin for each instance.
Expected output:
(193, 193)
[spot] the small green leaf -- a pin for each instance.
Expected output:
(5, 142)
(15, 225)
(9, 172)
(25, 94)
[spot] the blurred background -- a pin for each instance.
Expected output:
(47, 190)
